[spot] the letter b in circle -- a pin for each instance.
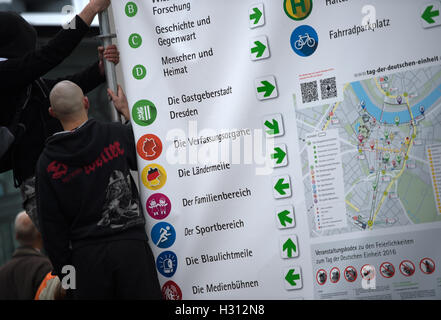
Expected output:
(131, 9)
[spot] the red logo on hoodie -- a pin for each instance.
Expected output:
(109, 153)
(58, 169)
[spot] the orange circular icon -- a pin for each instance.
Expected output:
(149, 147)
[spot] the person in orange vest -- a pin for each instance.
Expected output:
(29, 269)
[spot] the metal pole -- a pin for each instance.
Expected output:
(109, 67)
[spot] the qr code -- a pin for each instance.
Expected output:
(328, 88)
(309, 91)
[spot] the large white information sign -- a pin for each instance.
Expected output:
(288, 149)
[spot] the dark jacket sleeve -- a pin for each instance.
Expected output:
(129, 144)
(87, 80)
(20, 72)
(54, 226)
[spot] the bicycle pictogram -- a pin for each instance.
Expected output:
(304, 40)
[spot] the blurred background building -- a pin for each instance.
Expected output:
(47, 16)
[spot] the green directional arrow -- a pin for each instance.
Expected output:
(267, 87)
(291, 277)
(256, 15)
(273, 127)
(259, 49)
(279, 155)
(284, 218)
(428, 14)
(281, 186)
(290, 247)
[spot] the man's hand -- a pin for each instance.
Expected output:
(111, 54)
(92, 9)
(120, 102)
(99, 5)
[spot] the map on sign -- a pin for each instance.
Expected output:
(371, 160)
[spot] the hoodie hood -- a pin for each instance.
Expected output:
(17, 36)
(77, 148)
(90, 146)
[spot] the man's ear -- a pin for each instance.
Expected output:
(52, 113)
(86, 103)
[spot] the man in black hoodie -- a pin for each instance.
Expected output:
(21, 66)
(87, 200)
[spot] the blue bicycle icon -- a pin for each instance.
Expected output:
(304, 40)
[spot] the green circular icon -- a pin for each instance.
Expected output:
(131, 9)
(144, 113)
(139, 72)
(135, 40)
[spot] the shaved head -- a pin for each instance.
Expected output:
(67, 101)
(25, 231)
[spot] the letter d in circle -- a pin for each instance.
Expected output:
(139, 72)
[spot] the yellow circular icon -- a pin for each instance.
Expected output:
(154, 176)
(297, 9)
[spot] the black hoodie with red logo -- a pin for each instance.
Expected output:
(85, 192)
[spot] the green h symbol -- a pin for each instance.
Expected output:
(295, 4)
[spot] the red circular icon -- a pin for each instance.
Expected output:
(171, 291)
(334, 275)
(407, 268)
(149, 147)
(387, 270)
(350, 274)
(321, 277)
(367, 272)
(427, 266)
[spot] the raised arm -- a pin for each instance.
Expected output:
(89, 78)
(91, 10)
(19, 72)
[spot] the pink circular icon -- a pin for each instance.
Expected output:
(158, 206)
